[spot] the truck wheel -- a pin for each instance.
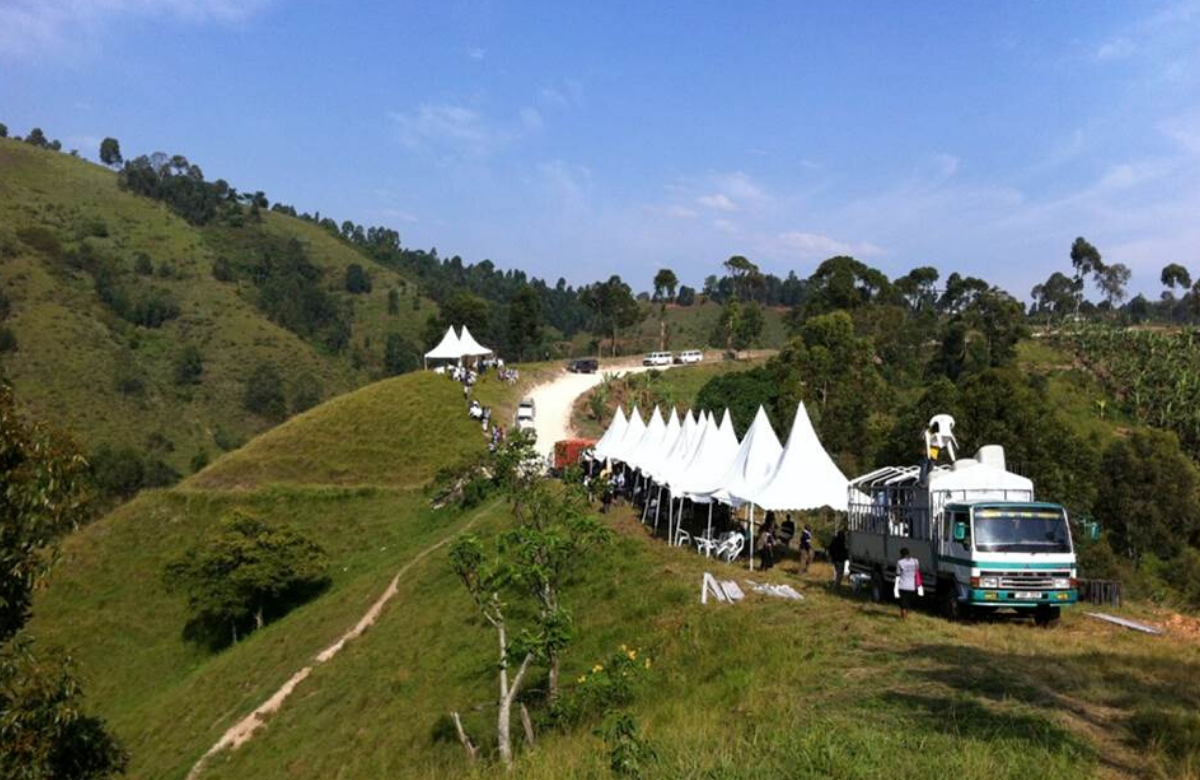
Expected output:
(951, 608)
(1046, 617)
(877, 586)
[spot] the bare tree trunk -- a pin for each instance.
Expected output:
(468, 745)
(503, 717)
(258, 617)
(527, 722)
(552, 683)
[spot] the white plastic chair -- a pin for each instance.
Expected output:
(731, 548)
(682, 538)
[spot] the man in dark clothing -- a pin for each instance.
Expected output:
(806, 548)
(839, 553)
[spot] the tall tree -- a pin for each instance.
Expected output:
(745, 275)
(110, 152)
(1112, 281)
(1056, 297)
(1175, 275)
(1086, 261)
(613, 306)
(525, 321)
(919, 287)
(37, 138)
(665, 283)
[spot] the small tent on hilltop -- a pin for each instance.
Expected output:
(447, 349)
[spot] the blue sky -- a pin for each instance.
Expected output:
(583, 139)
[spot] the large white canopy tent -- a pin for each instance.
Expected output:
(708, 464)
(469, 347)
(446, 349)
(633, 434)
(642, 449)
(804, 478)
(616, 429)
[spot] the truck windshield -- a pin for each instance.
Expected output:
(1021, 530)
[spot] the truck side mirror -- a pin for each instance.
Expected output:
(960, 531)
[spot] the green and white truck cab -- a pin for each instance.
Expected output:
(983, 541)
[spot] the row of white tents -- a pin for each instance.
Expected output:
(701, 460)
(455, 346)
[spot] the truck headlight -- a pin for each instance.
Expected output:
(989, 582)
(1062, 583)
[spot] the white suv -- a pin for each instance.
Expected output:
(690, 356)
(657, 359)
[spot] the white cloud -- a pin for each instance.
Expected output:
(725, 225)
(814, 246)
(681, 212)
(1117, 49)
(34, 27)
(531, 118)
(448, 130)
(476, 53)
(566, 94)
(718, 201)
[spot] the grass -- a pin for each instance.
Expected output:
(827, 687)
(73, 349)
(1084, 404)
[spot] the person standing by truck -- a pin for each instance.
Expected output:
(838, 555)
(908, 581)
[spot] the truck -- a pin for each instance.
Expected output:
(983, 540)
(568, 452)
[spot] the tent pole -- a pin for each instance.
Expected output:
(752, 537)
(645, 507)
(680, 516)
(708, 535)
(657, 506)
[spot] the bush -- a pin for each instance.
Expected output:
(399, 356)
(607, 686)
(228, 441)
(143, 264)
(158, 473)
(189, 366)
(117, 471)
(307, 392)
(222, 270)
(357, 280)
(8, 340)
(264, 393)
(39, 238)
(199, 461)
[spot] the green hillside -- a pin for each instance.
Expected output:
(831, 686)
(110, 381)
(686, 327)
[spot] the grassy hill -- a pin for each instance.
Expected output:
(81, 364)
(828, 687)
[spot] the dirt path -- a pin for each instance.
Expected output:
(553, 401)
(244, 729)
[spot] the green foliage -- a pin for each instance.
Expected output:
(1175, 275)
(264, 394)
(222, 270)
(686, 296)
(290, 292)
(180, 184)
(37, 138)
(44, 734)
(665, 283)
(110, 152)
(43, 498)
(121, 471)
(1148, 499)
(613, 308)
(199, 461)
(244, 573)
(629, 754)
(357, 280)
(189, 366)
(595, 694)
(1175, 733)
(741, 392)
(41, 239)
(143, 264)
(393, 302)
(524, 322)
(8, 340)
(307, 392)
(399, 355)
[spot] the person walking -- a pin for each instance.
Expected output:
(766, 542)
(839, 554)
(908, 581)
(806, 548)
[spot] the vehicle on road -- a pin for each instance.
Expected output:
(689, 356)
(525, 415)
(983, 541)
(657, 359)
(584, 366)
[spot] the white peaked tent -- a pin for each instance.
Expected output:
(676, 452)
(616, 429)
(755, 461)
(641, 451)
(446, 349)
(651, 463)
(707, 464)
(676, 466)
(633, 434)
(805, 476)
(469, 347)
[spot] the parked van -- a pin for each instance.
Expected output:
(689, 356)
(657, 359)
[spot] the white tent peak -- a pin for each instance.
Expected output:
(755, 461)
(805, 476)
(709, 460)
(616, 429)
(447, 348)
(469, 347)
(644, 448)
(633, 434)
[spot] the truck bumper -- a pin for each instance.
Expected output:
(1011, 598)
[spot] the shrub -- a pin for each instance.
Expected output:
(222, 270)
(189, 366)
(158, 473)
(264, 393)
(199, 461)
(228, 441)
(357, 280)
(8, 340)
(117, 471)
(143, 264)
(399, 356)
(609, 685)
(41, 239)
(307, 392)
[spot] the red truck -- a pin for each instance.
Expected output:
(568, 451)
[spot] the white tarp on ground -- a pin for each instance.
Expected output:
(710, 461)
(469, 347)
(804, 478)
(675, 454)
(755, 460)
(633, 434)
(653, 460)
(641, 451)
(447, 348)
(616, 429)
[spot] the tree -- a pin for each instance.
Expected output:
(745, 275)
(687, 296)
(246, 571)
(1175, 275)
(37, 138)
(110, 152)
(357, 281)
(3, 130)
(307, 392)
(749, 327)
(613, 306)
(665, 283)
(44, 734)
(525, 321)
(1112, 281)
(919, 287)
(1086, 261)
(1056, 297)
(843, 283)
(264, 393)
(399, 356)
(189, 366)
(728, 324)
(1147, 499)
(393, 302)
